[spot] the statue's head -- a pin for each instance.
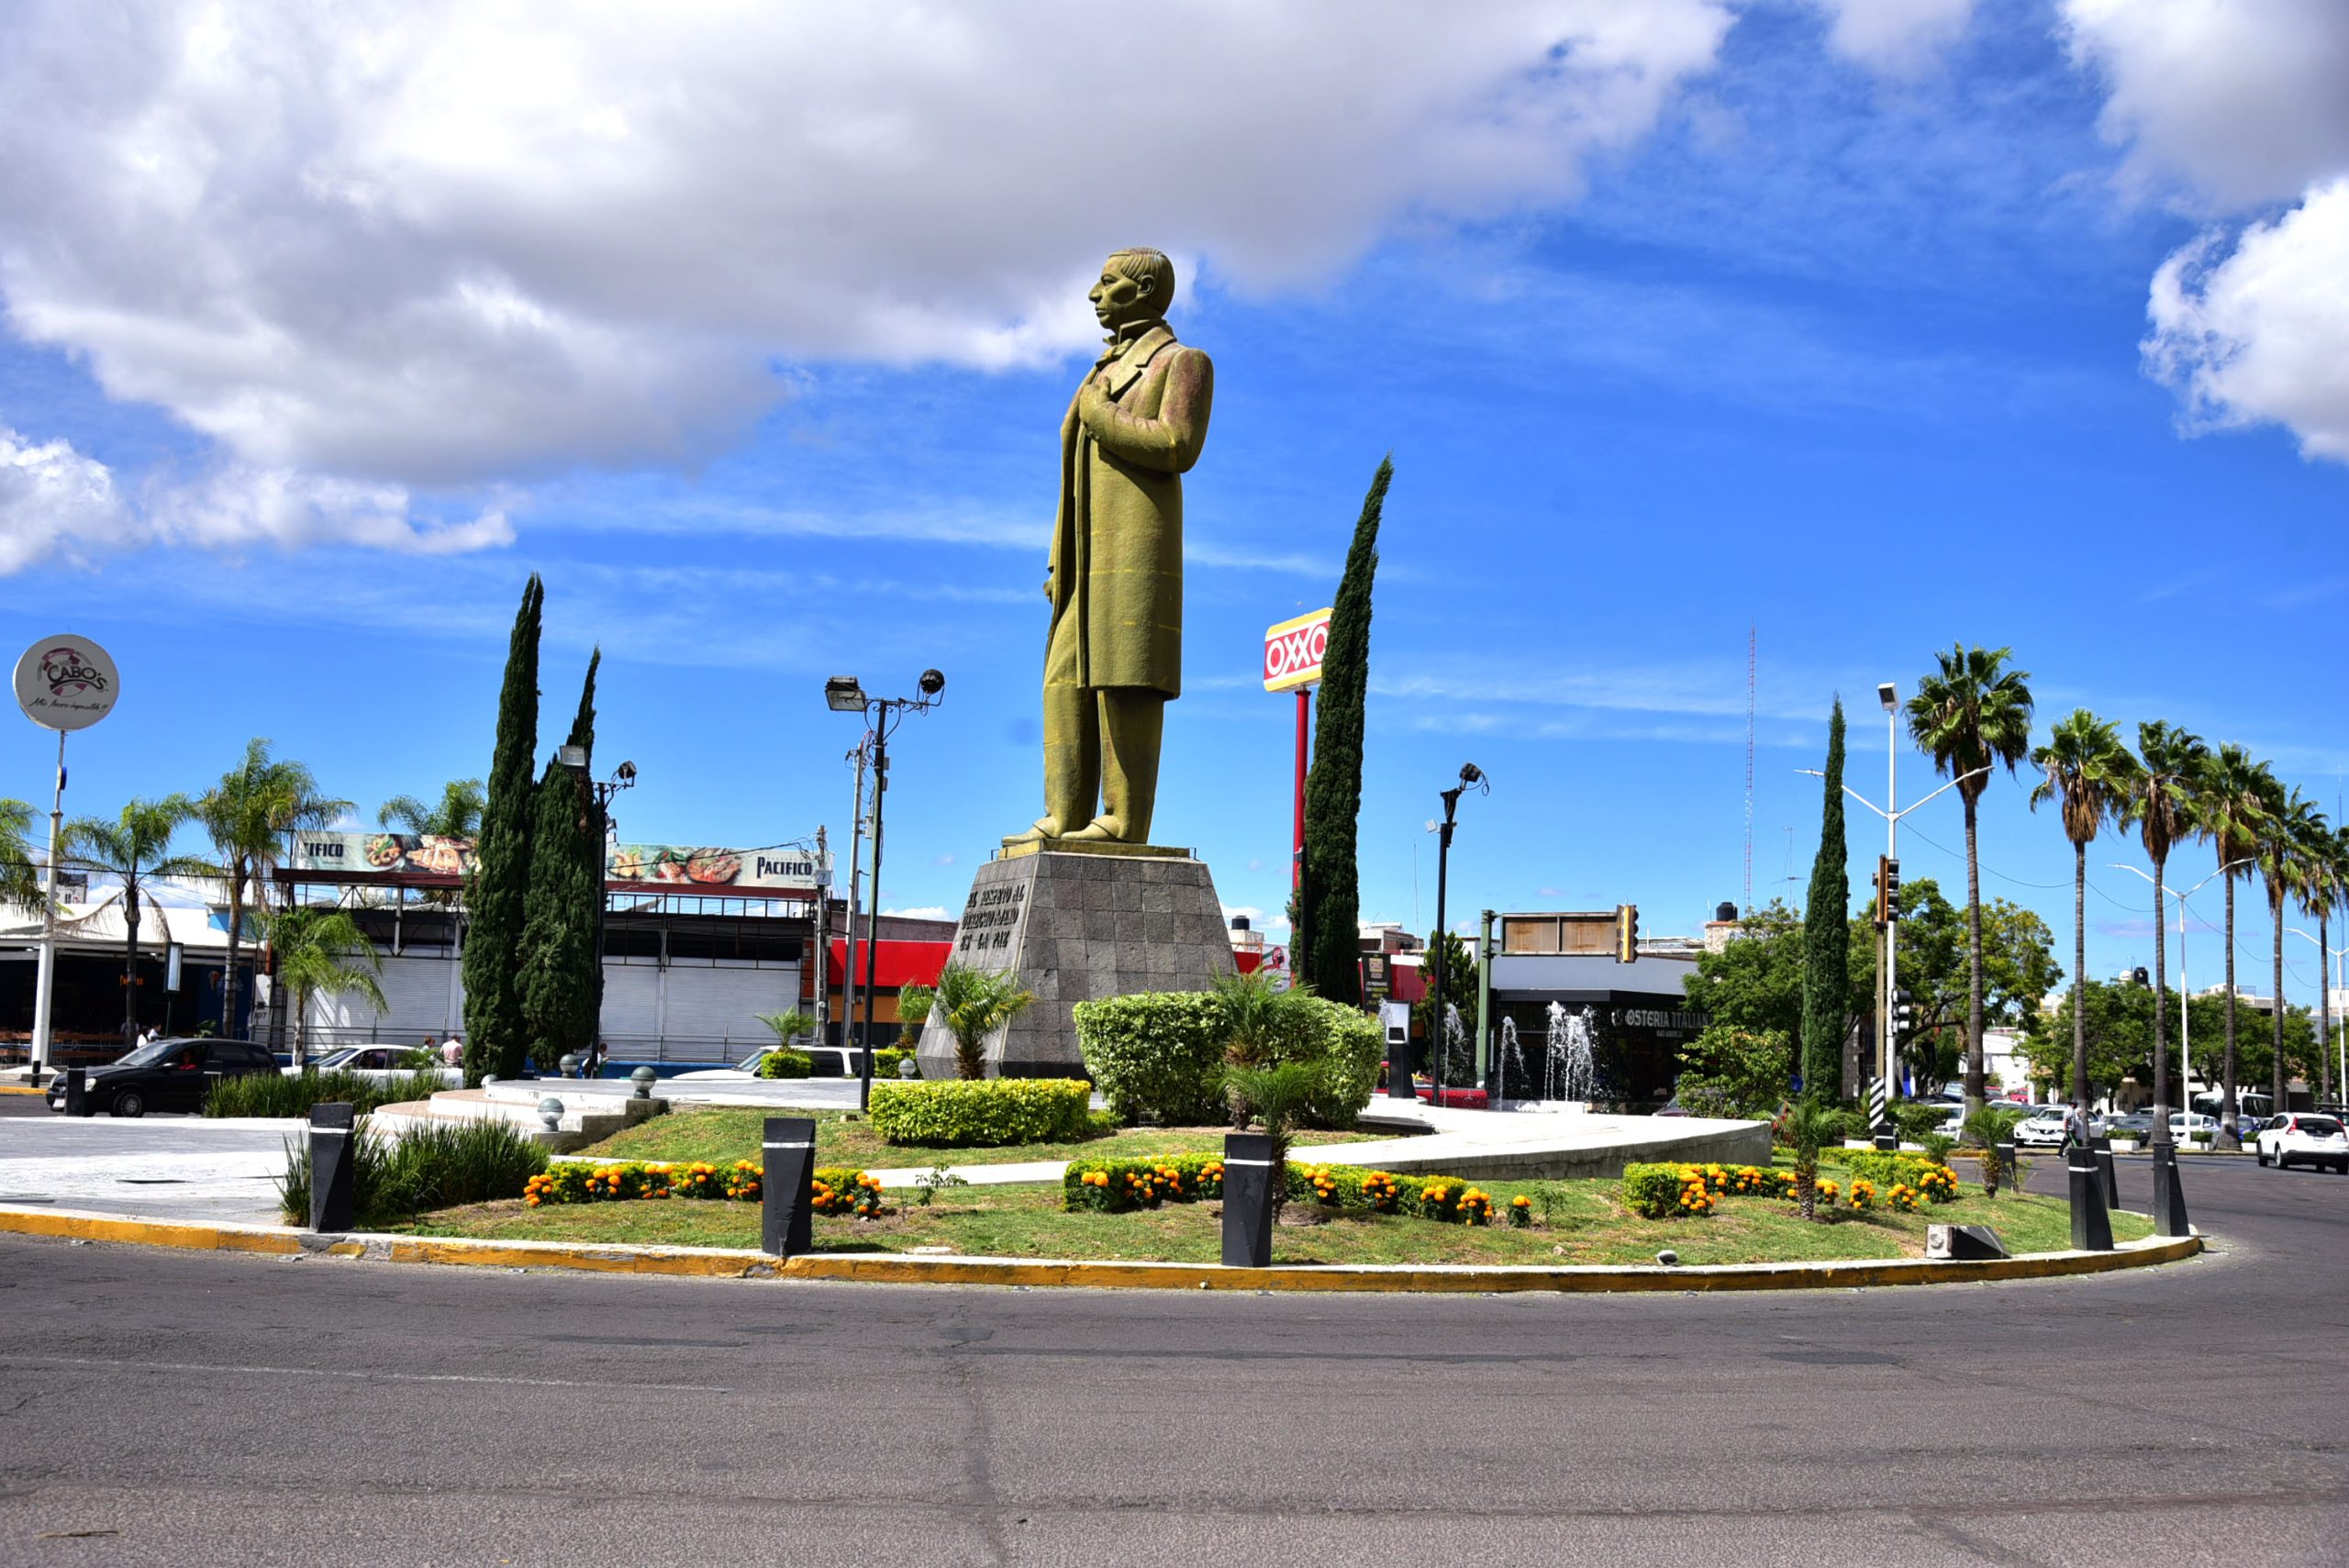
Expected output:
(1135, 286)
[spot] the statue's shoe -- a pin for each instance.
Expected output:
(1101, 829)
(1045, 830)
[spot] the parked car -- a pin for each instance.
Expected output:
(2192, 1127)
(2043, 1129)
(381, 1063)
(168, 1076)
(2304, 1137)
(2138, 1125)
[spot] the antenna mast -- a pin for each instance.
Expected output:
(1749, 769)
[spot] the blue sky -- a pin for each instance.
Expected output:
(1845, 322)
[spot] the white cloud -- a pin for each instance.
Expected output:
(2239, 105)
(918, 912)
(2260, 333)
(2241, 100)
(1895, 37)
(429, 243)
(59, 503)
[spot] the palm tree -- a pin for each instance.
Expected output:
(2329, 858)
(2092, 774)
(1969, 716)
(2230, 798)
(2160, 804)
(457, 817)
(2291, 824)
(321, 952)
(18, 882)
(1808, 1127)
(248, 815)
(133, 849)
(974, 1002)
(1258, 1018)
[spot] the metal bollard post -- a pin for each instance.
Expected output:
(2092, 1221)
(77, 1091)
(1248, 1178)
(2169, 1195)
(2105, 1173)
(333, 1193)
(787, 1223)
(2007, 1163)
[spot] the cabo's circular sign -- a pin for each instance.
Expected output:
(66, 682)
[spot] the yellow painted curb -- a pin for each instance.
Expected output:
(20, 1089)
(899, 1268)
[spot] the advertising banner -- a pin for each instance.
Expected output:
(1293, 651)
(685, 866)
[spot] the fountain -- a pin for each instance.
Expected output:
(1568, 1076)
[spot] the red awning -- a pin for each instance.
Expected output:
(896, 963)
(1407, 983)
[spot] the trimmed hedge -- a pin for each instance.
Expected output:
(982, 1112)
(786, 1064)
(1160, 1055)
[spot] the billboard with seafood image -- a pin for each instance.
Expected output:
(683, 866)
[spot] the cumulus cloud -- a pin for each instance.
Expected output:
(2235, 106)
(60, 504)
(2241, 101)
(1894, 37)
(432, 242)
(2260, 332)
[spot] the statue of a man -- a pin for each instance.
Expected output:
(1114, 656)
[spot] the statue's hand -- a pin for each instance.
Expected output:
(1094, 404)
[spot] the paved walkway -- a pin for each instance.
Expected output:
(155, 1168)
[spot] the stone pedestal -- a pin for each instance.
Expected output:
(1078, 922)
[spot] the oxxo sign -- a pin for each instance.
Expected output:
(1293, 651)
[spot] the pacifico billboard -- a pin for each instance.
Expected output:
(1293, 651)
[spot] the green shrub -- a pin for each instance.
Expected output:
(1916, 1122)
(982, 1112)
(885, 1058)
(432, 1167)
(1157, 1056)
(786, 1064)
(1851, 1124)
(1652, 1191)
(1160, 1056)
(293, 1095)
(1937, 1146)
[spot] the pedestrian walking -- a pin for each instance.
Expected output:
(453, 1051)
(2076, 1125)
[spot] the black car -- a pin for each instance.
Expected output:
(167, 1075)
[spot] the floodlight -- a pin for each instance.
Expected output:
(842, 694)
(1886, 695)
(933, 682)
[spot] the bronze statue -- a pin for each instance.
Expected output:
(1114, 656)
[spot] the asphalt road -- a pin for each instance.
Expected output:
(196, 1408)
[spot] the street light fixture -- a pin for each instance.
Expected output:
(2185, 1031)
(1471, 777)
(599, 797)
(2336, 954)
(845, 694)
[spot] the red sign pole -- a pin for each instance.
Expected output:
(1304, 741)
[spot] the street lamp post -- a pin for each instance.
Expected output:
(844, 695)
(600, 794)
(2324, 1036)
(1892, 812)
(2185, 1026)
(1471, 777)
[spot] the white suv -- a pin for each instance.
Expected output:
(2304, 1137)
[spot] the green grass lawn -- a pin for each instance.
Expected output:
(723, 1134)
(1583, 1224)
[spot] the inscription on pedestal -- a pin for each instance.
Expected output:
(993, 919)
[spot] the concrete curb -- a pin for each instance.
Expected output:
(899, 1268)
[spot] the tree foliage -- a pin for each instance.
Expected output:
(1456, 954)
(1732, 1071)
(1328, 957)
(457, 814)
(19, 880)
(497, 893)
(248, 815)
(562, 979)
(1826, 1000)
(134, 848)
(321, 952)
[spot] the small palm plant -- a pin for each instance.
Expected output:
(1987, 1127)
(1259, 1019)
(1276, 1097)
(321, 952)
(789, 1026)
(974, 1002)
(914, 1000)
(1808, 1127)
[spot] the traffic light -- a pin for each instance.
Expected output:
(1889, 887)
(1904, 1014)
(1626, 932)
(2139, 976)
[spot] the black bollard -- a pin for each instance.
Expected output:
(77, 1091)
(2012, 1178)
(2092, 1221)
(2103, 1147)
(333, 1191)
(2169, 1193)
(786, 1222)
(1248, 1177)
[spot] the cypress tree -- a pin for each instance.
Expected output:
(499, 889)
(1329, 951)
(561, 979)
(1826, 952)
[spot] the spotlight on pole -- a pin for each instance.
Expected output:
(1886, 695)
(845, 694)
